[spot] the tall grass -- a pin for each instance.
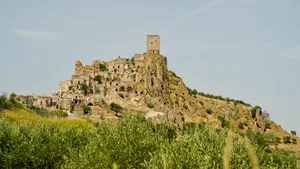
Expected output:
(28, 140)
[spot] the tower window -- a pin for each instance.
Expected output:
(151, 42)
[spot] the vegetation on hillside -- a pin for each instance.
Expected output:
(28, 140)
(98, 78)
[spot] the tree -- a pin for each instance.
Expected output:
(98, 78)
(294, 141)
(86, 109)
(287, 139)
(12, 97)
(293, 132)
(209, 111)
(84, 88)
(254, 110)
(115, 107)
(102, 67)
(268, 125)
(5, 104)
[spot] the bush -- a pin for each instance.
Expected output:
(132, 61)
(134, 142)
(86, 109)
(241, 126)
(209, 111)
(278, 140)
(293, 132)
(98, 78)
(287, 139)
(84, 88)
(115, 107)
(294, 141)
(254, 110)
(268, 125)
(172, 73)
(60, 113)
(224, 122)
(102, 67)
(5, 104)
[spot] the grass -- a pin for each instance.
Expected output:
(28, 140)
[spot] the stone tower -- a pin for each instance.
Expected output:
(78, 65)
(153, 44)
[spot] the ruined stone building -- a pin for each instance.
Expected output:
(132, 82)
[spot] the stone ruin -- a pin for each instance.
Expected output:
(138, 84)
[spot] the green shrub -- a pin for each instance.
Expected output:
(294, 140)
(241, 126)
(287, 139)
(172, 73)
(254, 110)
(84, 88)
(268, 125)
(134, 142)
(278, 140)
(209, 111)
(5, 104)
(86, 109)
(60, 113)
(102, 67)
(293, 132)
(98, 78)
(224, 122)
(132, 61)
(115, 107)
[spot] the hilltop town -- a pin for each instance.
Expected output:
(138, 84)
(143, 84)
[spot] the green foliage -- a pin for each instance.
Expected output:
(132, 61)
(60, 113)
(172, 73)
(287, 139)
(192, 92)
(5, 104)
(86, 109)
(134, 142)
(84, 88)
(102, 67)
(9, 103)
(294, 140)
(45, 113)
(293, 132)
(209, 111)
(254, 110)
(278, 139)
(225, 99)
(115, 107)
(268, 125)
(241, 126)
(224, 122)
(98, 78)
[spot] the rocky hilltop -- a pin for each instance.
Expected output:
(143, 84)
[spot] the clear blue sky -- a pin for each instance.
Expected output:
(243, 49)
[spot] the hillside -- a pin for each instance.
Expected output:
(108, 90)
(34, 138)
